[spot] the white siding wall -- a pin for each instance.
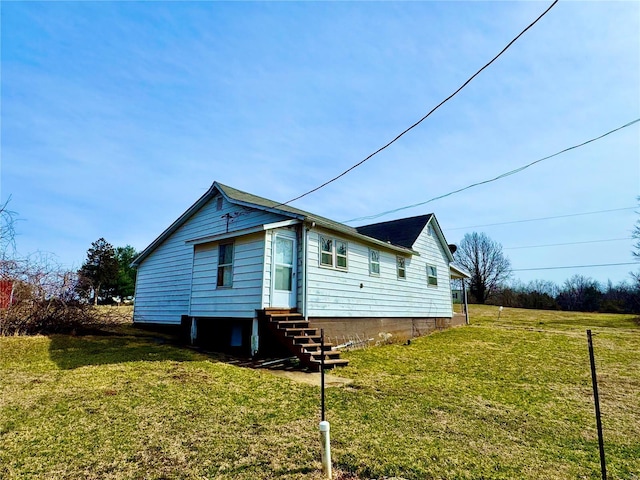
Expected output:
(164, 278)
(335, 293)
(245, 296)
(266, 276)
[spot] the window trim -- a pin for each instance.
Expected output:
(333, 253)
(372, 262)
(326, 252)
(430, 276)
(224, 265)
(339, 255)
(400, 259)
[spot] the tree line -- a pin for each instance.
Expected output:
(490, 272)
(578, 294)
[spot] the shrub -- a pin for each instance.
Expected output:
(31, 317)
(44, 300)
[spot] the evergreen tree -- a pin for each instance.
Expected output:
(99, 274)
(126, 281)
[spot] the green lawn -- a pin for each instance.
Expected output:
(499, 399)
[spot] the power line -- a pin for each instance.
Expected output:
(569, 243)
(423, 118)
(503, 175)
(573, 266)
(544, 218)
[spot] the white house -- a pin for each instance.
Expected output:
(243, 273)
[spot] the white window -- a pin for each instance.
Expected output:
(326, 251)
(341, 255)
(400, 263)
(333, 253)
(225, 265)
(219, 203)
(432, 276)
(374, 262)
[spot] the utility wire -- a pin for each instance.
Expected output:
(423, 118)
(569, 243)
(544, 218)
(574, 266)
(503, 175)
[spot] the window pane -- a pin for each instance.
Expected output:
(375, 255)
(375, 268)
(400, 264)
(284, 251)
(341, 262)
(341, 248)
(225, 276)
(326, 259)
(432, 275)
(225, 256)
(283, 278)
(327, 244)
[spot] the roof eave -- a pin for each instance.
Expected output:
(351, 232)
(460, 272)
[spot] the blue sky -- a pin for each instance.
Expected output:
(116, 117)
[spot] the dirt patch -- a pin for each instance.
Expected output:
(312, 378)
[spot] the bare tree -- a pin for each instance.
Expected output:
(7, 231)
(482, 257)
(580, 293)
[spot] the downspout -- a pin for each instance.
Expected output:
(305, 237)
(255, 323)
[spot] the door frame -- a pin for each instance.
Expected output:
(293, 296)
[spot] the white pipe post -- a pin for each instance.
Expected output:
(326, 448)
(194, 331)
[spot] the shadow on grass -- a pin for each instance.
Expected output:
(101, 348)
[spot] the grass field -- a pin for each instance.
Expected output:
(499, 399)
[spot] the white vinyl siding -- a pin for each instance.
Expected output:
(331, 293)
(163, 284)
(244, 296)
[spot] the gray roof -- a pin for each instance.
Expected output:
(403, 232)
(254, 201)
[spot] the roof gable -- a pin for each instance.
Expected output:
(403, 232)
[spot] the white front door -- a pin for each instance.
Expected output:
(283, 272)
